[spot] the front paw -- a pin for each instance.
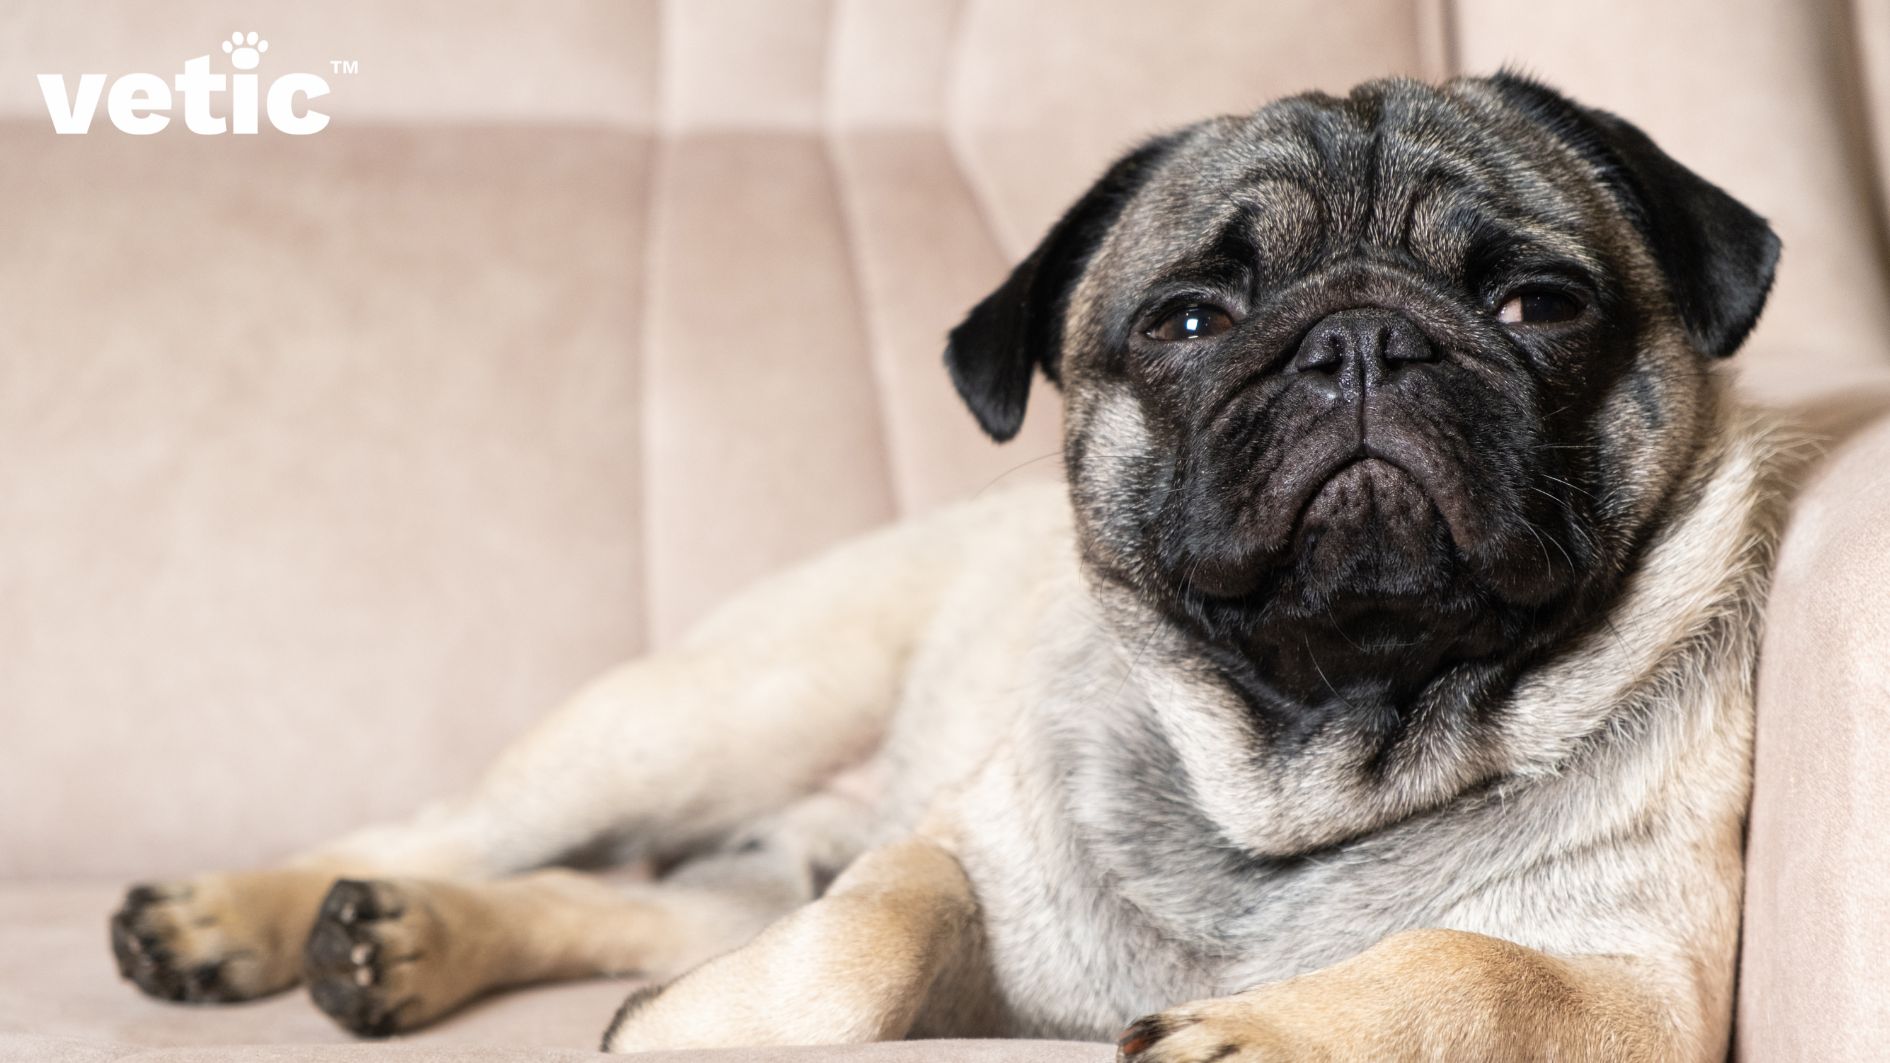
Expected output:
(213, 939)
(1205, 1032)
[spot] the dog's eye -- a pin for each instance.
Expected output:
(1198, 322)
(1538, 306)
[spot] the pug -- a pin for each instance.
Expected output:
(1379, 687)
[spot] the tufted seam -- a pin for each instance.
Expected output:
(1867, 112)
(658, 159)
(1437, 39)
(845, 212)
(954, 133)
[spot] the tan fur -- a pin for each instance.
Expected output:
(428, 946)
(854, 966)
(253, 923)
(1424, 995)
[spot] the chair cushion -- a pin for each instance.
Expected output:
(61, 999)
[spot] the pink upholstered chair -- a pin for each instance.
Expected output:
(326, 463)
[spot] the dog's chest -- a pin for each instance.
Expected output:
(1105, 894)
(1073, 954)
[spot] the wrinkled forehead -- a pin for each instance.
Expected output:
(1396, 170)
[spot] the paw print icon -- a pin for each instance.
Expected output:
(245, 50)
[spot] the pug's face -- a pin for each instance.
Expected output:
(1375, 393)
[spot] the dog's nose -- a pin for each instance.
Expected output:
(1365, 346)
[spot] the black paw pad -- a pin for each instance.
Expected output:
(343, 961)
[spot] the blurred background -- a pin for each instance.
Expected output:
(327, 463)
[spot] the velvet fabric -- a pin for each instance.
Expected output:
(328, 463)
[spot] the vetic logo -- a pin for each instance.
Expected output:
(140, 104)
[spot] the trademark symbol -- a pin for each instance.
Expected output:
(344, 66)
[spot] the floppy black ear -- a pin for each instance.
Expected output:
(1019, 327)
(1718, 256)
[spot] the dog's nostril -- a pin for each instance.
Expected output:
(1323, 356)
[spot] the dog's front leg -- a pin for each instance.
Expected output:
(853, 966)
(1430, 995)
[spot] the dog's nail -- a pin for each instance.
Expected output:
(362, 954)
(364, 976)
(347, 912)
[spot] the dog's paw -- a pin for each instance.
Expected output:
(213, 939)
(1210, 1032)
(363, 953)
(382, 960)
